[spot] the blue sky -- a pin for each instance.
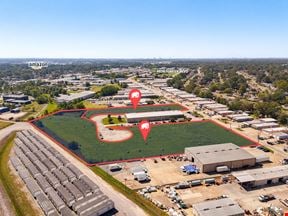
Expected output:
(144, 28)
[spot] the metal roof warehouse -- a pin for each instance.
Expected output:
(219, 207)
(154, 116)
(263, 176)
(208, 158)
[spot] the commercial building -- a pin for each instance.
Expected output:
(242, 118)
(16, 99)
(266, 120)
(263, 176)
(219, 207)
(208, 158)
(4, 109)
(76, 96)
(280, 136)
(187, 96)
(224, 112)
(154, 116)
(204, 102)
(275, 130)
(261, 126)
(215, 106)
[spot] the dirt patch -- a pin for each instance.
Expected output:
(108, 133)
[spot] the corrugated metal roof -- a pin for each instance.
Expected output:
(261, 174)
(220, 207)
(218, 153)
(154, 114)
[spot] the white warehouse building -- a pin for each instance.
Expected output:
(154, 116)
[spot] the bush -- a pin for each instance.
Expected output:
(73, 145)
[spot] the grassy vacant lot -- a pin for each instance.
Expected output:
(90, 105)
(52, 107)
(96, 88)
(18, 198)
(131, 110)
(163, 139)
(4, 124)
(33, 110)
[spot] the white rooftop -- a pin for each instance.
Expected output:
(219, 207)
(219, 153)
(154, 114)
(261, 174)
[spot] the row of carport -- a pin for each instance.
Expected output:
(59, 187)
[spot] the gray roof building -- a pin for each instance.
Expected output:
(154, 116)
(209, 157)
(55, 199)
(219, 207)
(45, 204)
(262, 176)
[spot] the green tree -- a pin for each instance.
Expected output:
(80, 105)
(42, 99)
(109, 90)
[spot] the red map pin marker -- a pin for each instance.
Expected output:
(135, 97)
(144, 127)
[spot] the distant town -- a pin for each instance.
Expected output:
(217, 145)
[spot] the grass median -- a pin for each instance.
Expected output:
(4, 124)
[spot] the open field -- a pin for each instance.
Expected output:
(4, 124)
(70, 127)
(96, 88)
(32, 110)
(51, 107)
(90, 105)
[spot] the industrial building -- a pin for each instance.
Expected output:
(154, 116)
(4, 109)
(55, 183)
(187, 96)
(261, 126)
(76, 96)
(263, 176)
(218, 207)
(209, 157)
(16, 99)
(224, 112)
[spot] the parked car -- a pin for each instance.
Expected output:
(270, 143)
(266, 198)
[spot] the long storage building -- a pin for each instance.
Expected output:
(154, 116)
(219, 207)
(262, 177)
(209, 157)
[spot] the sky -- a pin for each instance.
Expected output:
(143, 28)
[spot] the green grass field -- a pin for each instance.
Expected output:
(68, 127)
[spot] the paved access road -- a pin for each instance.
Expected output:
(124, 206)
